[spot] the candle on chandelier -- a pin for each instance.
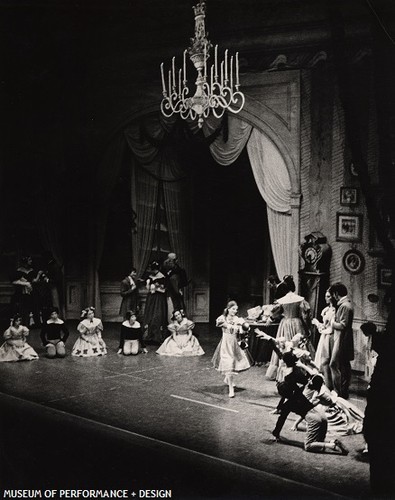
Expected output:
(179, 81)
(237, 68)
(212, 76)
(205, 61)
(222, 73)
(231, 72)
(216, 61)
(185, 65)
(169, 82)
(173, 65)
(163, 78)
(226, 65)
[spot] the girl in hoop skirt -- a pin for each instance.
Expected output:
(90, 342)
(229, 358)
(181, 341)
(295, 313)
(15, 347)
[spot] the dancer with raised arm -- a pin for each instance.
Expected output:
(229, 358)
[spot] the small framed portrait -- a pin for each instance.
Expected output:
(349, 196)
(384, 276)
(353, 261)
(349, 227)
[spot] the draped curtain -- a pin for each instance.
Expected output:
(272, 178)
(144, 197)
(157, 160)
(107, 175)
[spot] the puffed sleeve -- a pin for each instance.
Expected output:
(100, 326)
(7, 334)
(25, 331)
(220, 320)
(171, 327)
(82, 328)
(190, 324)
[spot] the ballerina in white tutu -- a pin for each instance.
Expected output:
(181, 341)
(229, 358)
(90, 342)
(15, 347)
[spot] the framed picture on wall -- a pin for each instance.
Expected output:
(384, 276)
(348, 196)
(349, 227)
(353, 261)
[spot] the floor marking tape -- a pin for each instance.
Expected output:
(203, 403)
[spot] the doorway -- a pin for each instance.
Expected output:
(240, 251)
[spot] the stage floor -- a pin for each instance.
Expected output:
(181, 405)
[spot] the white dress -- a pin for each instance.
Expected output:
(229, 357)
(90, 342)
(327, 315)
(15, 347)
(181, 342)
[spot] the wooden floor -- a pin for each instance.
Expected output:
(167, 420)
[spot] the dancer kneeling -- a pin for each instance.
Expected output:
(181, 341)
(15, 347)
(54, 334)
(90, 342)
(294, 401)
(131, 340)
(229, 358)
(343, 417)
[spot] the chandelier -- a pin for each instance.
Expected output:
(217, 89)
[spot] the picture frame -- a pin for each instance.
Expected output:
(384, 276)
(349, 196)
(349, 227)
(353, 261)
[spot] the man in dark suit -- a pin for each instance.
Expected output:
(343, 340)
(129, 294)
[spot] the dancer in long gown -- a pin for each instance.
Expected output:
(181, 341)
(295, 309)
(325, 329)
(15, 347)
(155, 313)
(229, 358)
(90, 342)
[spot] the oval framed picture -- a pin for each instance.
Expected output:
(353, 261)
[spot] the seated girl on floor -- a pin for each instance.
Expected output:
(131, 339)
(15, 347)
(90, 342)
(54, 334)
(181, 341)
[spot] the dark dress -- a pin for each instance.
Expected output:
(23, 301)
(155, 314)
(130, 296)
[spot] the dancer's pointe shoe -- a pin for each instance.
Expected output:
(231, 392)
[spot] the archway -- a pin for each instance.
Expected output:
(278, 120)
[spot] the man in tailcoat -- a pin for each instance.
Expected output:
(343, 341)
(129, 294)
